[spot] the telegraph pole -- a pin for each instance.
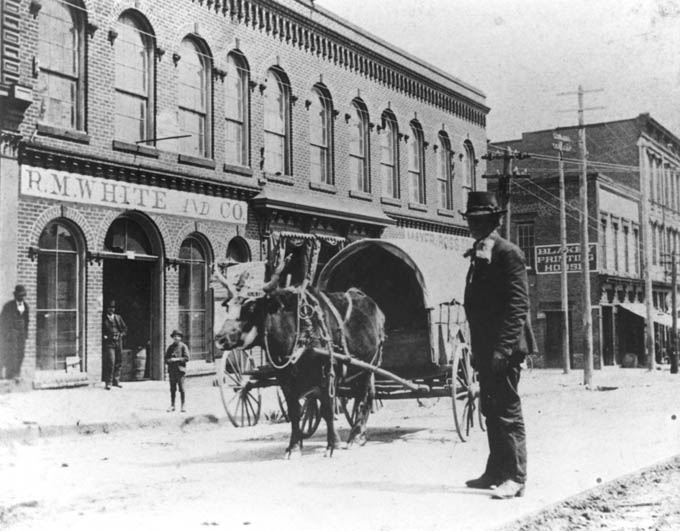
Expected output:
(585, 247)
(674, 299)
(647, 251)
(505, 180)
(562, 144)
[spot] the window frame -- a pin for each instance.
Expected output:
(276, 77)
(205, 352)
(527, 241)
(242, 122)
(445, 172)
(470, 170)
(416, 165)
(389, 169)
(360, 135)
(321, 136)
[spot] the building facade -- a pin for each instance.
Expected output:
(624, 157)
(145, 141)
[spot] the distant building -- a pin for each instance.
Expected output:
(625, 155)
(144, 141)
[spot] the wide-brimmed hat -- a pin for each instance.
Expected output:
(19, 289)
(176, 333)
(482, 204)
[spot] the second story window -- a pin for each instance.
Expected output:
(193, 96)
(525, 241)
(134, 84)
(416, 166)
(470, 170)
(359, 148)
(389, 157)
(60, 85)
(445, 172)
(276, 123)
(236, 111)
(320, 128)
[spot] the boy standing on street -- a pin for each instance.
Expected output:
(176, 357)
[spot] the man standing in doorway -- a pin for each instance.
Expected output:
(497, 309)
(113, 331)
(13, 332)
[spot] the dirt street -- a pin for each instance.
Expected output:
(409, 476)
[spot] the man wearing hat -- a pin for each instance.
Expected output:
(13, 332)
(497, 309)
(113, 331)
(176, 357)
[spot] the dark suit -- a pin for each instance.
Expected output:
(13, 330)
(177, 356)
(497, 308)
(113, 331)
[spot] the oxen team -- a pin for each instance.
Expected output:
(294, 325)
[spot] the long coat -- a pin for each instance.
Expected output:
(113, 331)
(13, 330)
(497, 305)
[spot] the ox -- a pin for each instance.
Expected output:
(292, 325)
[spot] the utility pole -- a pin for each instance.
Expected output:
(504, 190)
(674, 302)
(647, 251)
(562, 144)
(585, 263)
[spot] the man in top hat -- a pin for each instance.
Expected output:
(497, 309)
(113, 331)
(13, 332)
(176, 357)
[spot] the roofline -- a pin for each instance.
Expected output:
(349, 25)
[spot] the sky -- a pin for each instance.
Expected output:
(523, 53)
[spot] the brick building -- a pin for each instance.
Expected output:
(624, 156)
(143, 141)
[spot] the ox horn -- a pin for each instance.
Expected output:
(274, 280)
(222, 280)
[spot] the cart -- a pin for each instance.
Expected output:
(426, 354)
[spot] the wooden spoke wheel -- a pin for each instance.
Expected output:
(241, 400)
(350, 406)
(464, 392)
(310, 411)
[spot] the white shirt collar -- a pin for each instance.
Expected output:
(484, 247)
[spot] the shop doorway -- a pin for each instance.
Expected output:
(553, 339)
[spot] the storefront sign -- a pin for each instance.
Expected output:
(549, 258)
(65, 186)
(450, 242)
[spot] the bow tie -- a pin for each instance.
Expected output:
(481, 250)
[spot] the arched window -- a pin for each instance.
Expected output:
(134, 81)
(59, 292)
(125, 235)
(389, 156)
(320, 128)
(445, 173)
(470, 166)
(359, 148)
(61, 56)
(237, 109)
(193, 289)
(416, 166)
(277, 123)
(238, 250)
(194, 96)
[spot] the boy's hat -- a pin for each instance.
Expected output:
(176, 333)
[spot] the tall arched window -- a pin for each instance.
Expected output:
(389, 156)
(134, 80)
(194, 96)
(359, 148)
(445, 173)
(193, 288)
(470, 166)
(416, 166)
(61, 56)
(277, 123)
(237, 108)
(320, 127)
(58, 306)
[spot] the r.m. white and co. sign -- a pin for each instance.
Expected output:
(65, 186)
(549, 258)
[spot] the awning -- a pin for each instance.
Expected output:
(639, 309)
(321, 205)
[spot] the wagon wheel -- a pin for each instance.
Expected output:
(350, 406)
(241, 400)
(310, 411)
(464, 392)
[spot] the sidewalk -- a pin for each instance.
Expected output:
(92, 409)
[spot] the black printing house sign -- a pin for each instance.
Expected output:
(549, 258)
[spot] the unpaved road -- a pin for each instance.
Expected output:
(409, 476)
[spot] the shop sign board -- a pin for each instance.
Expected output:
(549, 258)
(73, 187)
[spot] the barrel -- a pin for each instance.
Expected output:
(140, 364)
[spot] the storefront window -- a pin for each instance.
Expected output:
(58, 295)
(193, 287)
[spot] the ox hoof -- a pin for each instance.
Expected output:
(329, 451)
(293, 454)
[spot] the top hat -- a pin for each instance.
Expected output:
(19, 289)
(482, 204)
(176, 333)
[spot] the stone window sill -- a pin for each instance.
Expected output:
(446, 212)
(196, 161)
(390, 201)
(279, 178)
(364, 196)
(137, 149)
(65, 134)
(240, 170)
(323, 187)
(418, 207)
